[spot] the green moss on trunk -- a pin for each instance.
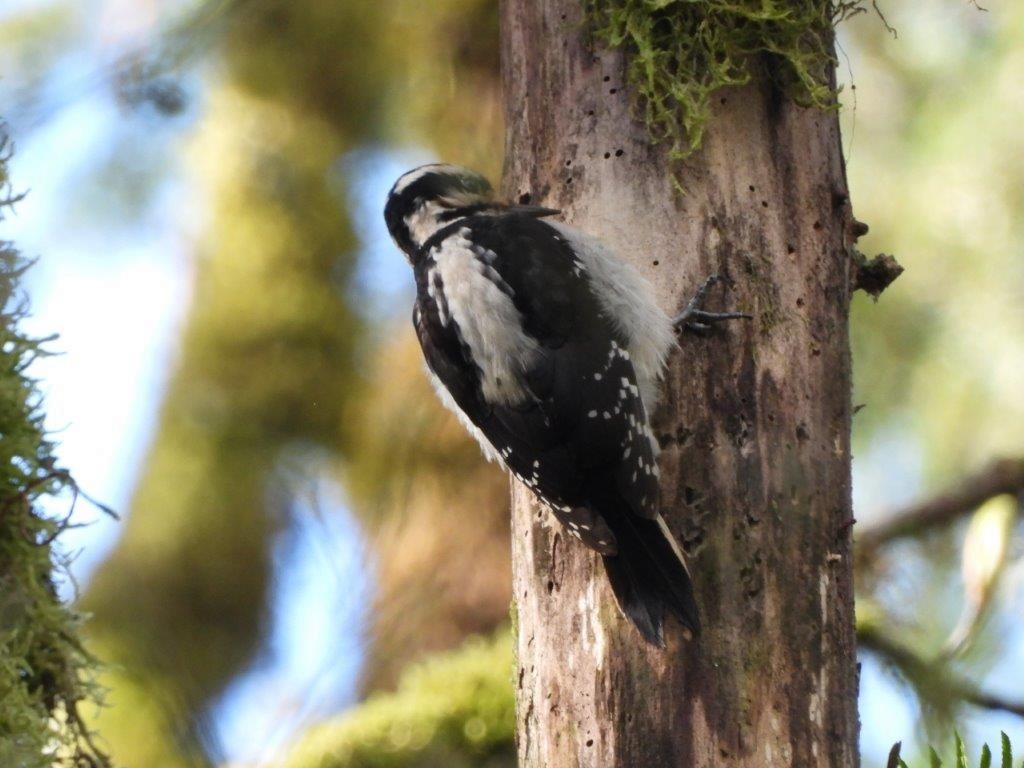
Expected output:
(679, 52)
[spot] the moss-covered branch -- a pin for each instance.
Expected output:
(455, 709)
(45, 676)
(679, 52)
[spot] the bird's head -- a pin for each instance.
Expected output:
(429, 198)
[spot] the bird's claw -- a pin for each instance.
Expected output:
(695, 319)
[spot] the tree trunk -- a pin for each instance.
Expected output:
(755, 426)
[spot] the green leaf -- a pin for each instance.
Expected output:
(986, 757)
(894, 756)
(936, 761)
(961, 752)
(1007, 761)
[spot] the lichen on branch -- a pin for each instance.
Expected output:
(679, 52)
(45, 675)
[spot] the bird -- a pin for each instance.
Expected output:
(550, 350)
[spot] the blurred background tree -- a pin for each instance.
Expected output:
(251, 142)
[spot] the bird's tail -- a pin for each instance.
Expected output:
(649, 576)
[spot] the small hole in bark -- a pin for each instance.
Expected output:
(569, 180)
(689, 494)
(817, 225)
(607, 155)
(590, 113)
(655, 262)
(790, 250)
(799, 302)
(693, 540)
(751, 187)
(722, 100)
(524, 199)
(618, 153)
(568, 163)
(764, 203)
(551, 586)
(606, 78)
(613, 90)
(590, 742)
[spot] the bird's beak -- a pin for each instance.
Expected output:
(537, 211)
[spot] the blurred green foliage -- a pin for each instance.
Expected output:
(263, 368)
(412, 478)
(935, 168)
(960, 758)
(455, 710)
(46, 678)
(33, 37)
(275, 361)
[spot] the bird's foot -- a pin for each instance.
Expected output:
(695, 319)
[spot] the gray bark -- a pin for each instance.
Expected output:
(755, 426)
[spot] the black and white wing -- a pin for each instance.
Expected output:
(510, 325)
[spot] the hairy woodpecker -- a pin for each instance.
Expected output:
(550, 351)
